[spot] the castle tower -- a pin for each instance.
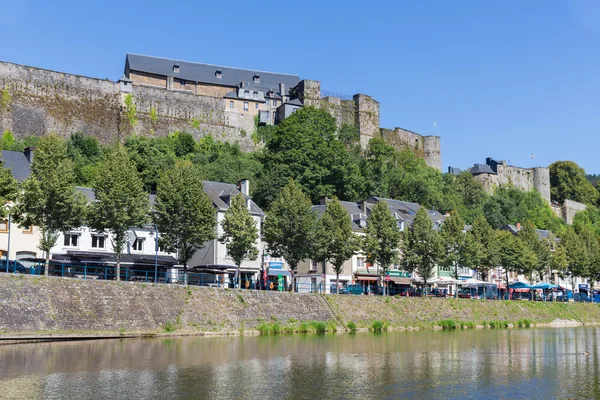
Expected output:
(541, 182)
(433, 152)
(367, 118)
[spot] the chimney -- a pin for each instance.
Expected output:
(324, 200)
(242, 84)
(29, 154)
(244, 187)
(363, 207)
(282, 92)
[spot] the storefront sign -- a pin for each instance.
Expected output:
(275, 264)
(398, 274)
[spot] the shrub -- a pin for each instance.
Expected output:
(524, 323)
(351, 326)
(467, 325)
(169, 327)
(303, 327)
(275, 329)
(448, 324)
(331, 326)
(263, 328)
(377, 326)
(318, 326)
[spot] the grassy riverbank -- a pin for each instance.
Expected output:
(38, 306)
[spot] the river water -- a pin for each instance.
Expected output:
(474, 364)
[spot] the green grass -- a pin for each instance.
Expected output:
(377, 326)
(524, 323)
(169, 327)
(318, 326)
(468, 325)
(448, 324)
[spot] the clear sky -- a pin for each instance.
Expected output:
(501, 78)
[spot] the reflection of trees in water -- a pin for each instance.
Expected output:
(315, 366)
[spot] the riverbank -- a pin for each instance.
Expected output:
(42, 307)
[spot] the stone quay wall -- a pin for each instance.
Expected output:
(31, 305)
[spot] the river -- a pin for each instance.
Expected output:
(473, 364)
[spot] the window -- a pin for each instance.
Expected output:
(256, 104)
(274, 115)
(313, 265)
(71, 240)
(176, 68)
(256, 79)
(360, 262)
(274, 103)
(246, 94)
(245, 106)
(218, 74)
(138, 245)
(231, 104)
(28, 230)
(98, 242)
(182, 82)
(3, 225)
(255, 95)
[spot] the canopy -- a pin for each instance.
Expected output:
(520, 285)
(445, 280)
(544, 285)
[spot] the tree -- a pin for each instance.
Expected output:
(558, 260)
(382, 238)
(568, 182)
(239, 232)
(459, 249)
(576, 253)
(337, 241)
(290, 226)
(541, 249)
(48, 197)
(513, 254)
(121, 201)
(486, 246)
(184, 215)
(592, 251)
(422, 246)
(8, 189)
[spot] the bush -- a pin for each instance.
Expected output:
(169, 327)
(467, 325)
(331, 326)
(524, 323)
(303, 327)
(448, 324)
(377, 326)
(318, 326)
(351, 326)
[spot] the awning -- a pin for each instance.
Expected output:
(519, 285)
(400, 281)
(279, 272)
(370, 278)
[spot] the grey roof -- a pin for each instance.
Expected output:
(481, 169)
(454, 170)
(88, 193)
(220, 194)
(358, 218)
(206, 73)
(294, 102)
(406, 211)
(17, 163)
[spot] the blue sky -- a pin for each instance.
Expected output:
(501, 78)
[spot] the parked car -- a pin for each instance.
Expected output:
(354, 289)
(15, 267)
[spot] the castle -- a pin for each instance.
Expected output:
(159, 96)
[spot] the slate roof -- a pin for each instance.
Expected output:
(206, 73)
(406, 211)
(220, 194)
(357, 217)
(17, 163)
(481, 169)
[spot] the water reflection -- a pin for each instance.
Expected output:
(543, 363)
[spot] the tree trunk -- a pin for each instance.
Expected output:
(239, 277)
(185, 273)
(337, 283)
(47, 264)
(118, 267)
(507, 291)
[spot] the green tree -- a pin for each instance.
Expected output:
(86, 153)
(486, 246)
(568, 182)
(8, 189)
(48, 198)
(592, 251)
(422, 246)
(541, 249)
(305, 148)
(459, 249)
(239, 232)
(151, 156)
(558, 260)
(381, 242)
(121, 201)
(337, 241)
(185, 216)
(513, 254)
(576, 252)
(290, 226)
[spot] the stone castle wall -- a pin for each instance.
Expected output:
(41, 101)
(525, 179)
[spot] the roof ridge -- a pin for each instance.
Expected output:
(214, 65)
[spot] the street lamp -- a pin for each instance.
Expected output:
(9, 205)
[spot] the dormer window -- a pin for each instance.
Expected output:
(256, 78)
(246, 94)
(219, 74)
(176, 68)
(255, 95)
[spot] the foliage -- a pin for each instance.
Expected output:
(421, 246)
(290, 226)
(514, 255)
(5, 99)
(153, 117)
(459, 249)
(86, 153)
(351, 326)
(540, 247)
(463, 194)
(239, 231)
(348, 134)
(382, 237)
(304, 147)
(151, 156)
(183, 143)
(185, 216)
(8, 190)
(568, 182)
(336, 240)
(131, 111)
(121, 201)
(49, 199)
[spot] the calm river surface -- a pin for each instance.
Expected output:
(476, 364)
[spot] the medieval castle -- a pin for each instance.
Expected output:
(169, 95)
